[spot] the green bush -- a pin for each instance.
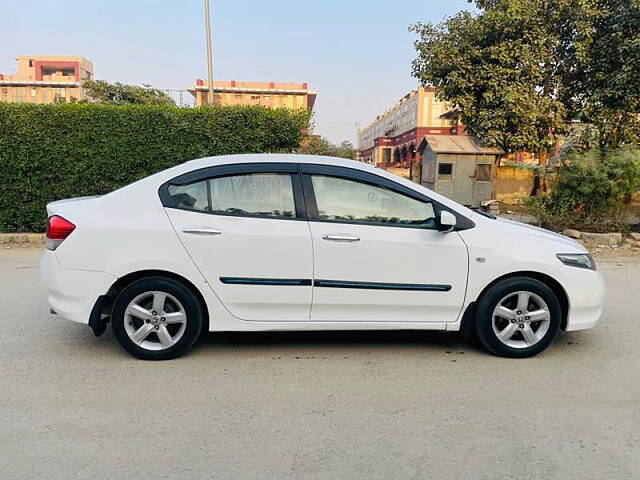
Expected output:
(591, 190)
(49, 152)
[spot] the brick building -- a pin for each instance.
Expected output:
(46, 79)
(392, 139)
(268, 94)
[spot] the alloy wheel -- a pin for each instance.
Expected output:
(521, 319)
(155, 320)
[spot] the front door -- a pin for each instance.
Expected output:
(378, 256)
(483, 180)
(245, 229)
(463, 179)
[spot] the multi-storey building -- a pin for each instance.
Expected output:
(391, 140)
(46, 79)
(268, 94)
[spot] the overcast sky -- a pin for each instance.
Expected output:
(355, 53)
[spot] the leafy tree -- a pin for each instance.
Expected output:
(605, 83)
(317, 145)
(504, 68)
(519, 70)
(345, 150)
(100, 91)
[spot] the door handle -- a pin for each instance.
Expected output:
(202, 231)
(341, 238)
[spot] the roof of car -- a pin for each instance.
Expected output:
(278, 157)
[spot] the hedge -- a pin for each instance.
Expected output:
(49, 152)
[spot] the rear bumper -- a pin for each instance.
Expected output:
(586, 293)
(73, 293)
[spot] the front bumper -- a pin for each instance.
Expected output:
(72, 294)
(586, 291)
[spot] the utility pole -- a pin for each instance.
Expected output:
(357, 141)
(207, 19)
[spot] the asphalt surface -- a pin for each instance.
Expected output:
(350, 405)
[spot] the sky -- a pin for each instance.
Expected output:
(356, 54)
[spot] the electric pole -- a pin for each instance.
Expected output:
(207, 19)
(357, 141)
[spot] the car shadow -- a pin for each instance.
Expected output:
(341, 338)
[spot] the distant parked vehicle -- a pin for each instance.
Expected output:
(291, 242)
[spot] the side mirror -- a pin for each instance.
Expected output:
(447, 221)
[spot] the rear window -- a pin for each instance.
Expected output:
(253, 194)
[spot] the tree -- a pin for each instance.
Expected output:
(504, 68)
(345, 150)
(519, 70)
(606, 84)
(100, 91)
(317, 145)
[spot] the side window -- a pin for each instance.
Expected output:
(254, 194)
(190, 197)
(340, 199)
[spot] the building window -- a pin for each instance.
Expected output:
(19, 94)
(445, 171)
(59, 95)
(31, 63)
(483, 172)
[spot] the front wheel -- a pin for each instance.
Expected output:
(157, 318)
(518, 317)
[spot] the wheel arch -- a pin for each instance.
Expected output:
(101, 313)
(469, 315)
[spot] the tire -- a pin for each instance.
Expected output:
(157, 318)
(508, 331)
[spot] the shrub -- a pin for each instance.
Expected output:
(590, 190)
(48, 152)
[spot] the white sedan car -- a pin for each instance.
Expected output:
(295, 242)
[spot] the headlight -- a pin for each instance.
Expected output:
(580, 260)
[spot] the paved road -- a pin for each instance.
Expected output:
(314, 406)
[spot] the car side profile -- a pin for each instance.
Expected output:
(296, 242)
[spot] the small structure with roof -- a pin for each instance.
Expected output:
(459, 167)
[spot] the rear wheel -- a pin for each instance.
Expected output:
(518, 317)
(157, 318)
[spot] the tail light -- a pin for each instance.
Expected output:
(58, 229)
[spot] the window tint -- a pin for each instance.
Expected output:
(190, 197)
(256, 194)
(263, 194)
(352, 201)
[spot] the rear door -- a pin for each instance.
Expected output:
(245, 228)
(378, 256)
